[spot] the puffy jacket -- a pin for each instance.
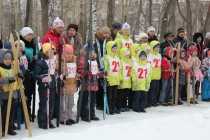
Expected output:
(166, 68)
(141, 75)
(112, 65)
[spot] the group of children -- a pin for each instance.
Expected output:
(137, 75)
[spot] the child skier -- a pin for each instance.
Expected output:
(42, 73)
(91, 88)
(125, 96)
(141, 78)
(206, 82)
(69, 70)
(197, 75)
(166, 74)
(155, 59)
(112, 69)
(8, 82)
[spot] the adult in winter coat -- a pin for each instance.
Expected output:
(199, 40)
(151, 34)
(73, 37)
(168, 42)
(30, 50)
(207, 42)
(181, 38)
(103, 35)
(54, 34)
(115, 30)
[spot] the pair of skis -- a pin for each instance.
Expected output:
(16, 70)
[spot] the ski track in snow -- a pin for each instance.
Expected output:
(159, 123)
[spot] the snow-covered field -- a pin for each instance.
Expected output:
(160, 123)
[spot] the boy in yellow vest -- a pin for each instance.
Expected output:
(112, 69)
(155, 60)
(141, 78)
(125, 80)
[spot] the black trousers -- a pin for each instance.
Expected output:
(154, 93)
(99, 95)
(112, 98)
(52, 98)
(30, 91)
(4, 114)
(139, 98)
(124, 98)
(85, 109)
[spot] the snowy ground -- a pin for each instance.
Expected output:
(160, 123)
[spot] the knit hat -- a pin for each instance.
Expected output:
(46, 47)
(58, 22)
(8, 54)
(141, 35)
(167, 34)
(208, 35)
(26, 31)
(150, 29)
(117, 26)
(126, 26)
(68, 49)
(180, 30)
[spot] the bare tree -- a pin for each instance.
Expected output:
(29, 8)
(44, 7)
(207, 21)
(83, 19)
(150, 13)
(110, 12)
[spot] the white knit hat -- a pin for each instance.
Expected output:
(208, 35)
(58, 22)
(26, 31)
(151, 29)
(126, 26)
(140, 36)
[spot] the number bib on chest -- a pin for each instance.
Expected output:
(71, 70)
(114, 66)
(155, 61)
(94, 67)
(127, 71)
(142, 72)
(24, 62)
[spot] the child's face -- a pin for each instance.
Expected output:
(157, 49)
(143, 57)
(183, 54)
(114, 49)
(29, 37)
(7, 61)
(144, 40)
(126, 32)
(194, 53)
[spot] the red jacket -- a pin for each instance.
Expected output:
(166, 69)
(54, 38)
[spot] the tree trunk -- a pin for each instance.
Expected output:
(29, 8)
(83, 19)
(150, 13)
(12, 16)
(207, 21)
(189, 20)
(45, 19)
(110, 12)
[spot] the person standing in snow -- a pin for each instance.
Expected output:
(112, 70)
(181, 38)
(199, 40)
(125, 95)
(141, 78)
(31, 52)
(155, 59)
